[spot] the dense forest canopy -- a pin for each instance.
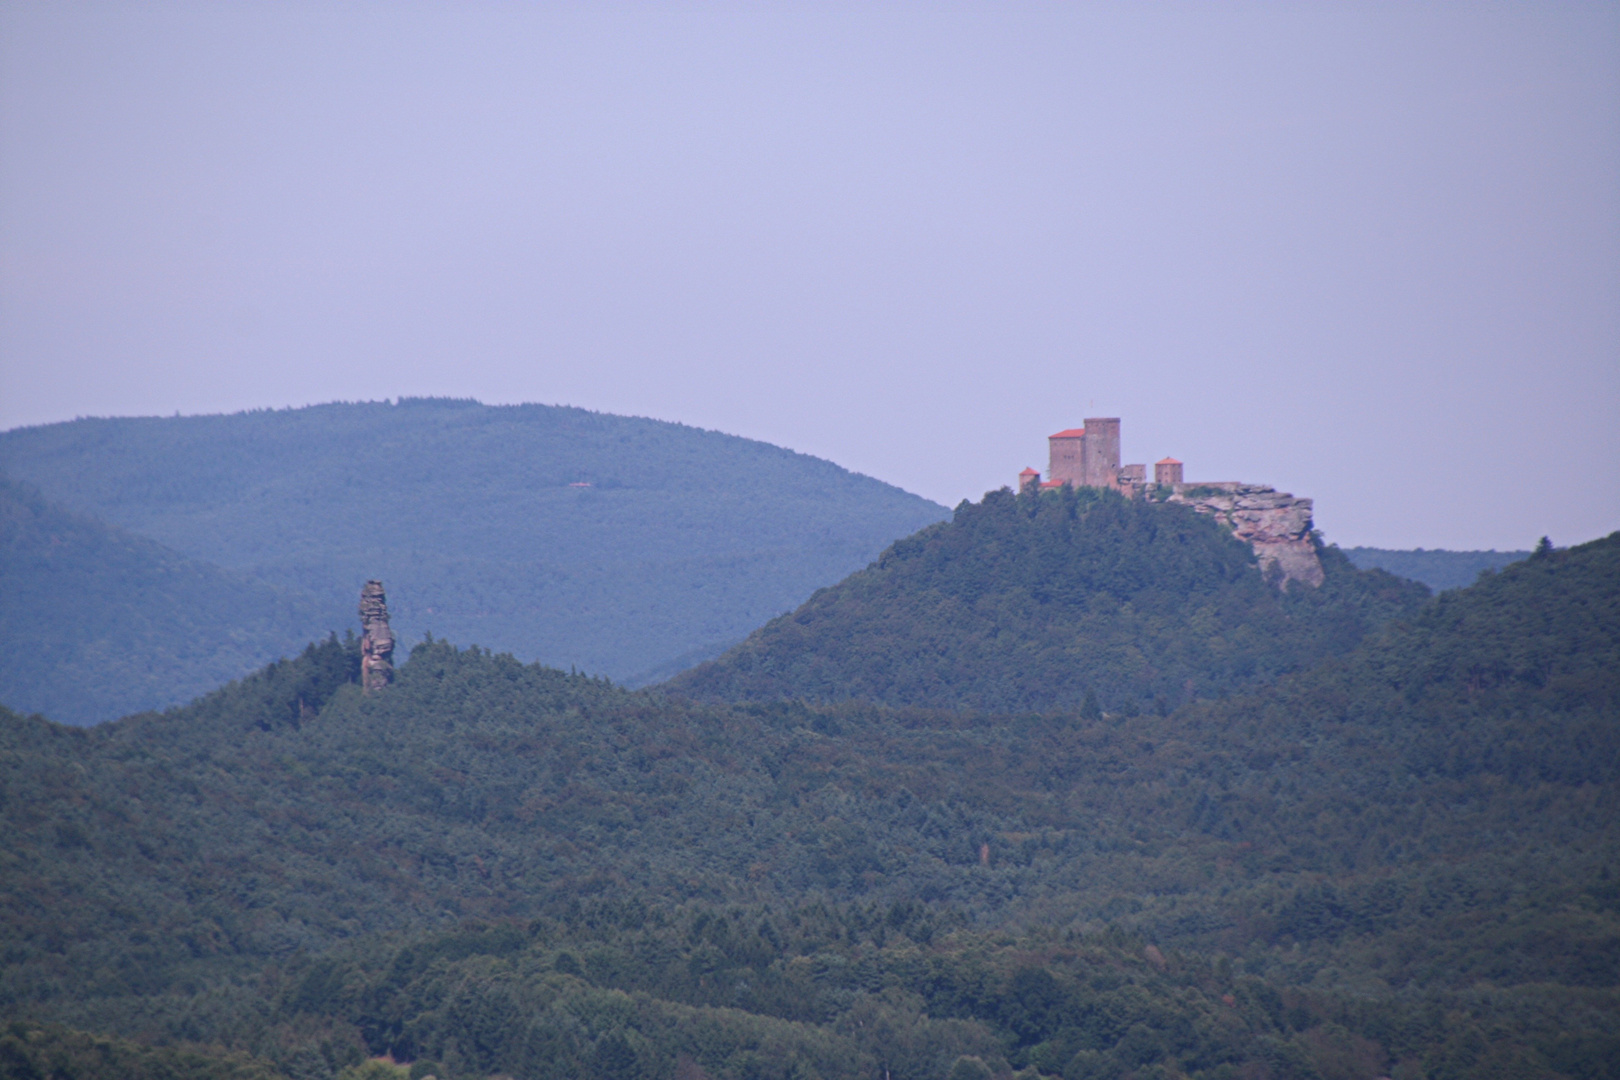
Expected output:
(616, 544)
(1401, 857)
(1038, 600)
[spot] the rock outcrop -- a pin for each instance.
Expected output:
(1275, 524)
(377, 641)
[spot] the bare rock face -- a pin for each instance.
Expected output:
(1275, 524)
(377, 642)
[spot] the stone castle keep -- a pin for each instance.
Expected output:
(1275, 524)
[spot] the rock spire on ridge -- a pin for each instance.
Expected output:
(377, 642)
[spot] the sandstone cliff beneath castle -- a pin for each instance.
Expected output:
(1274, 523)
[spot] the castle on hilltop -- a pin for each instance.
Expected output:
(1275, 524)
(1089, 457)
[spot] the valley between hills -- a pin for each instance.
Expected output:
(1056, 785)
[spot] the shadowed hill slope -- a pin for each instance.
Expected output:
(1034, 601)
(611, 543)
(96, 622)
(1425, 825)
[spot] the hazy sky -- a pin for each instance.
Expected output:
(1367, 253)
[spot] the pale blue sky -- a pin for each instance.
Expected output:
(1369, 253)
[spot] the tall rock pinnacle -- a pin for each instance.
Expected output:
(377, 643)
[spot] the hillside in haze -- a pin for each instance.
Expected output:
(1439, 570)
(615, 544)
(96, 622)
(1038, 600)
(1400, 857)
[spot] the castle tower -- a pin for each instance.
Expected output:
(1100, 458)
(1066, 457)
(1029, 480)
(1167, 471)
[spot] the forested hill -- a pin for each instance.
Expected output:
(615, 544)
(1401, 858)
(96, 622)
(1514, 679)
(1037, 600)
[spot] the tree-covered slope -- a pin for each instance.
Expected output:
(1036, 601)
(47, 1052)
(1426, 824)
(474, 517)
(1439, 570)
(96, 622)
(631, 991)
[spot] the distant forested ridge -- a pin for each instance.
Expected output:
(1038, 600)
(1401, 857)
(615, 544)
(96, 622)
(1439, 570)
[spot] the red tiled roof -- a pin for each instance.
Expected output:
(1051, 483)
(1167, 461)
(1069, 433)
(1029, 472)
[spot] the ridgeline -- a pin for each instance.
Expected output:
(626, 547)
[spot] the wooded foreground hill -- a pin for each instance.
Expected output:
(1397, 862)
(624, 546)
